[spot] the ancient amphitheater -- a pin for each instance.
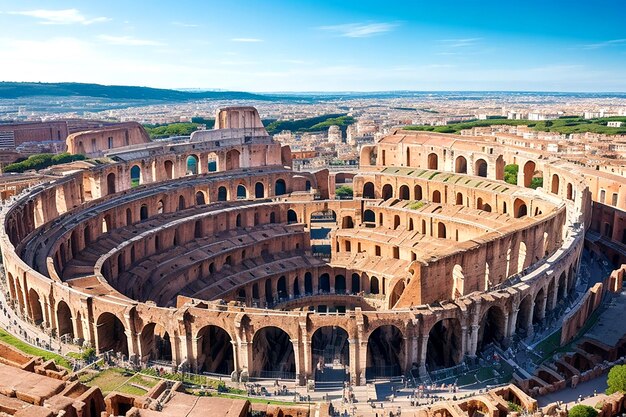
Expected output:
(213, 254)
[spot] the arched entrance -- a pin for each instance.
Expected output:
(111, 334)
(330, 354)
(232, 159)
(135, 176)
(387, 191)
(273, 354)
(192, 165)
(368, 190)
(492, 328)
(460, 165)
(64, 322)
(155, 343)
(433, 161)
(480, 168)
(385, 352)
(36, 312)
(445, 347)
(280, 187)
(215, 351)
(259, 190)
(111, 183)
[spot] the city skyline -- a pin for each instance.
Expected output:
(280, 46)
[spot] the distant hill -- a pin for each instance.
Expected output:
(12, 90)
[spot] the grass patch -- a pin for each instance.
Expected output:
(120, 380)
(31, 350)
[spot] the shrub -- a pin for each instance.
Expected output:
(344, 191)
(582, 411)
(616, 380)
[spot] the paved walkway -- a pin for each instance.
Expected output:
(570, 395)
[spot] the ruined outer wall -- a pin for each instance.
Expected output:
(96, 142)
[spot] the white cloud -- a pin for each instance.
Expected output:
(360, 30)
(612, 42)
(249, 40)
(459, 43)
(185, 25)
(128, 41)
(60, 17)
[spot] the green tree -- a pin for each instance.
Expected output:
(510, 173)
(344, 191)
(536, 183)
(582, 411)
(616, 379)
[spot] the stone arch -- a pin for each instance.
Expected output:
(492, 327)
(111, 183)
(155, 343)
(368, 190)
(436, 196)
(385, 352)
(529, 172)
(445, 347)
(259, 190)
(356, 283)
(281, 288)
(387, 192)
(181, 202)
(460, 165)
(222, 193)
(215, 350)
(369, 216)
(233, 159)
(143, 212)
(135, 176)
(347, 222)
(111, 334)
(212, 161)
(280, 187)
(480, 168)
(329, 345)
(242, 192)
(519, 208)
(555, 184)
(340, 284)
(396, 293)
(403, 192)
(169, 169)
(374, 285)
(20, 296)
(570, 192)
(539, 309)
(292, 217)
(273, 354)
(64, 321)
(36, 311)
(500, 164)
(191, 165)
(308, 283)
(417, 192)
(441, 230)
(323, 285)
(433, 161)
(200, 200)
(459, 199)
(12, 291)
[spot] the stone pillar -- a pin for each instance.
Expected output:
(542, 308)
(362, 362)
(235, 354)
(297, 356)
(245, 356)
(132, 337)
(193, 353)
(529, 323)
(423, 353)
(512, 322)
(471, 351)
(464, 338)
(353, 369)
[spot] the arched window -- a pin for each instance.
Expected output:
(222, 194)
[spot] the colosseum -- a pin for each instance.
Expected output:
(214, 255)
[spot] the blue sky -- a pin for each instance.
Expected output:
(324, 45)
